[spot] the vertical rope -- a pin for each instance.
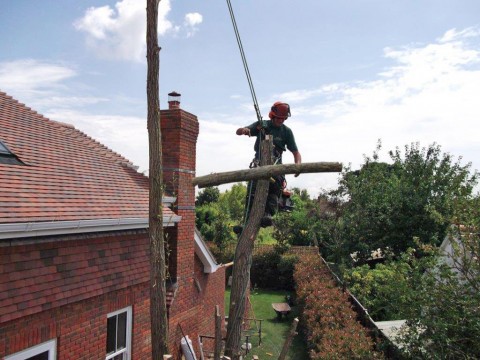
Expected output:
(244, 61)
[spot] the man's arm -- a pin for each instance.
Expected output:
(297, 157)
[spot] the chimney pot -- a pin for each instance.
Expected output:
(174, 100)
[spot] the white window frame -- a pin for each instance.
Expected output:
(128, 343)
(50, 346)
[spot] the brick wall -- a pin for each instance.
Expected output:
(80, 328)
(45, 275)
(193, 307)
(65, 289)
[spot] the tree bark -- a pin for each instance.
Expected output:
(265, 172)
(158, 304)
(243, 259)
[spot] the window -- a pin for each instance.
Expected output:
(7, 157)
(45, 351)
(119, 334)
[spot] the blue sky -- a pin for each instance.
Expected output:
(352, 71)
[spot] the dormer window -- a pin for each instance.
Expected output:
(7, 157)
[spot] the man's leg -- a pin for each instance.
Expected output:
(271, 208)
(251, 187)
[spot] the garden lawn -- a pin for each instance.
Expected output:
(274, 331)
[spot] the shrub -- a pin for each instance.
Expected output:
(328, 317)
(272, 270)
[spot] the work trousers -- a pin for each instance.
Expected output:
(274, 192)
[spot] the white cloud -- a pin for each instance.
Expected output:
(41, 84)
(428, 94)
(192, 20)
(119, 33)
(33, 75)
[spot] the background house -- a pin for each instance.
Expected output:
(74, 248)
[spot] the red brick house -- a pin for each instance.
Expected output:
(74, 248)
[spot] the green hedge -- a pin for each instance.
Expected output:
(273, 270)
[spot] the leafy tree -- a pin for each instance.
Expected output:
(438, 293)
(387, 290)
(295, 227)
(209, 195)
(216, 213)
(389, 205)
(445, 321)
(232, 202)
(214, 225)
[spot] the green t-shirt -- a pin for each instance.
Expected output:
(282, 136)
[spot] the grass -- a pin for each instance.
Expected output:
(274, 331)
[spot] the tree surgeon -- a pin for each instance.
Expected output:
(283, 139)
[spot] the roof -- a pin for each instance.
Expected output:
(204, 254)
(66, 177)
(392, 330)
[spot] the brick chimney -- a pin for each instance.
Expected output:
(179, 142)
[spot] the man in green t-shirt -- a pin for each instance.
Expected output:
(283, 139)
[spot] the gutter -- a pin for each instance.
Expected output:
(34, 229)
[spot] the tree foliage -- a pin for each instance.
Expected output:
(217, 213)
(295, 227)
(445, 320)
(387, 290)
(387, 206)
(208, 195)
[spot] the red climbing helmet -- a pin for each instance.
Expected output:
(279, 109)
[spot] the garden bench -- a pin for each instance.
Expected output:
(281, 309)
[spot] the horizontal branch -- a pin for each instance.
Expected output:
(265, 172)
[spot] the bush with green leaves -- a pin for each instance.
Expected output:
(217, 213)
(444, 321)
(295, 227)
(387, 290)
(272, 269)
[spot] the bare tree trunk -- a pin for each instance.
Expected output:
(158, 304)
(265, 172)
(243, 260)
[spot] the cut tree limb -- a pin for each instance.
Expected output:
(265, 172)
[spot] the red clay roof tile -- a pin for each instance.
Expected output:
(68, 176)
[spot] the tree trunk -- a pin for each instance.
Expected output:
(265, 172)
(158, 304)
(243, 260)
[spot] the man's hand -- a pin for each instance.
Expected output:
(243, 131)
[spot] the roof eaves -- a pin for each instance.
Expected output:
(36, 229)
(206, 257)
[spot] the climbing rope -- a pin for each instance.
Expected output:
(244, 60)
(255, 103)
